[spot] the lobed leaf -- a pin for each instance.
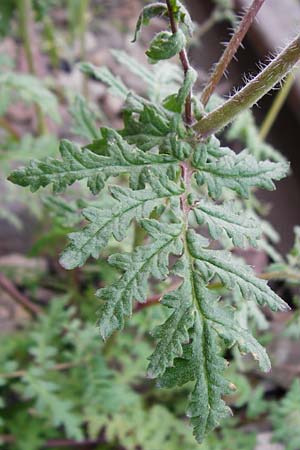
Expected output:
(226, 219)
(232, 274)
(238, 173)
(125, 206)
(148, 130)
(199, 360)
(116, 157)
(152, 259)
(173, 332)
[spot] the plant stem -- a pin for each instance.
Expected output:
(185, 65)
(276, 106)
(252, 92)
(230, 50)
(26, 24)
(155, 299)
(16, 295)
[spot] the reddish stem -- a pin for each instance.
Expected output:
(230, 50)
(185, 65)
(155, 299)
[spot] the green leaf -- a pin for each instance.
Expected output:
(209, 150)
(148, 130)
(182, 16)
(185, 18)
(84, 119)
(226, 219)
(149, 12)
(223, 321)
(206, 408)
(116, 157)
(176, 102)
(238, 173)
(165, 45)
(173, 332)
(202, 364)
(152, 259)
(125, 206)
(232, 274)
(199, 359)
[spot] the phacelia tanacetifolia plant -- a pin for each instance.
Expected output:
(177, 173)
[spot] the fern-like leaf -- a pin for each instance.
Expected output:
(152, 259)
(226, 219)
(125, 205)
(238, 173)
(116, 157)
(231, 273)
(174, 332)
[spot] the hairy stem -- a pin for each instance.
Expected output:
(276, 106)
(230, 50)
(252, 92)
(26, 24)
(185, 65)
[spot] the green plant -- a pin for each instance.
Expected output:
(178, 175)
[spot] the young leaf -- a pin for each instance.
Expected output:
(176, 102)
(149, 12)
(149, 130)
(185, 18)
(165, 45)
